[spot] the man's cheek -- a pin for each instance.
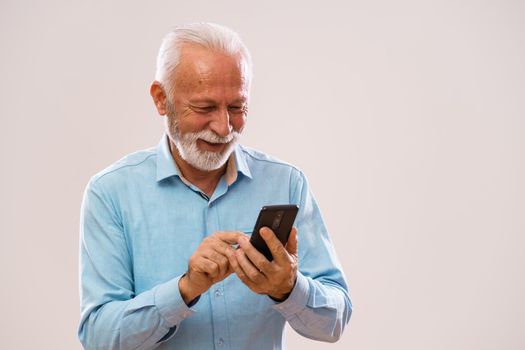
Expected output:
(239, 125)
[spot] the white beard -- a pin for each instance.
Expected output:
(187, 145)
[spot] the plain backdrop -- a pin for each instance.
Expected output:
(406, 116)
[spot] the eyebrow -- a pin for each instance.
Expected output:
(211, 101)
(201, 100)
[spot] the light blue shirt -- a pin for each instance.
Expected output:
(140, 223)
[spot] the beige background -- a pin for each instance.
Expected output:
(407, 117)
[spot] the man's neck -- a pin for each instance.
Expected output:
(206, 181)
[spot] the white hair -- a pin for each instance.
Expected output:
(208, 35)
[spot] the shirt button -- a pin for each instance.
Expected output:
(220, 342)
(218, 292)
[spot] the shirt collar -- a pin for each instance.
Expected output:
(240, 161)
(166, 166)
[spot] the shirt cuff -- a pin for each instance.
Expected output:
(170, 304)
(297, 300)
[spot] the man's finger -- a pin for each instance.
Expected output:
(220, 259)
(224, 241)
(276, 247)
(234, 263)
(251, 272)
(230, 237)
(242, 276)
(208, 267)
(256, 257)
(291, 245)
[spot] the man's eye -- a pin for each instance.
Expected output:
(236, 109)
(203, 109)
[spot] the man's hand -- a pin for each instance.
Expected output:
(208, 264)
(276, 278)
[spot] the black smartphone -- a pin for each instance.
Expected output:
(280, 219)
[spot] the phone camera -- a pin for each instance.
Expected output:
(277, 220)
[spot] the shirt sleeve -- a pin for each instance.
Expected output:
(319, 306)
(112, 316)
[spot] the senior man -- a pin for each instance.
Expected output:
(158, 228)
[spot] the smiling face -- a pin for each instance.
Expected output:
(207, 111)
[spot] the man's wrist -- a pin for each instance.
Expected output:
(282, 297)
(186, 291)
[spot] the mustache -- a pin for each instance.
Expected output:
(209, 136)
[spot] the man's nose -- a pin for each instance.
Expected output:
(221, 123)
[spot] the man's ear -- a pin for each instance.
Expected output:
(159, 97)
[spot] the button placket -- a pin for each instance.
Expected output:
(217, 293)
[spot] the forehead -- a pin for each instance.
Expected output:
(202, 70)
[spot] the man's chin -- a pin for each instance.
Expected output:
(209, 160)
(207, 165)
